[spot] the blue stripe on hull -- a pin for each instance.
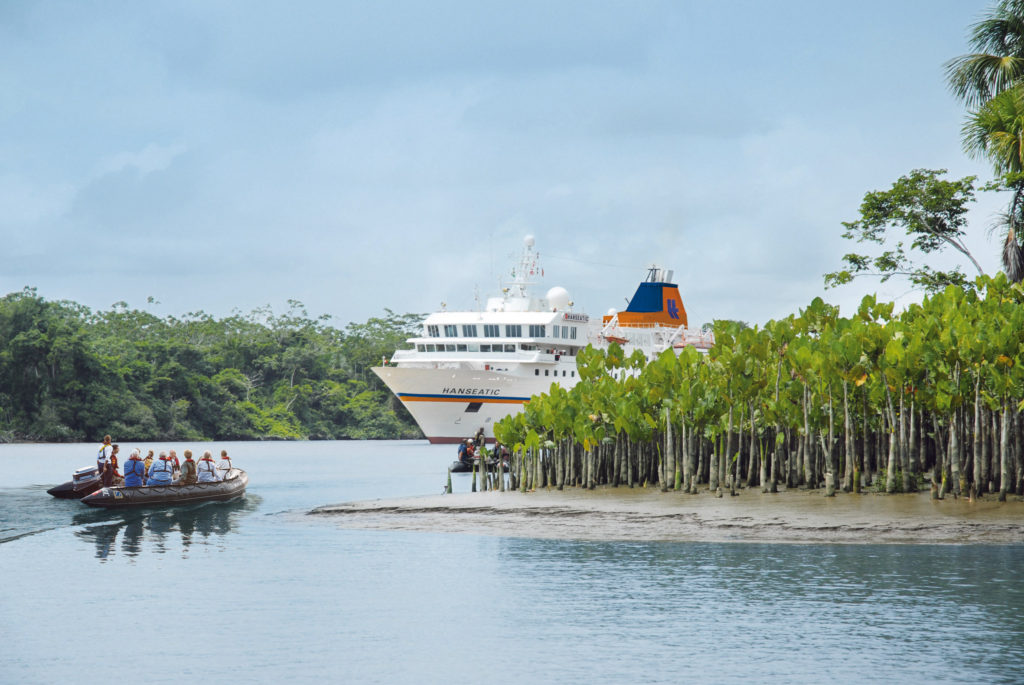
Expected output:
(417, 397)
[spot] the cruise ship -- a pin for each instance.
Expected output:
(469, 369)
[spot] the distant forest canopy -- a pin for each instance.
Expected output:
(68, 374)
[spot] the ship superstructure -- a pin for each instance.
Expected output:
(469, 369)
(654, 320)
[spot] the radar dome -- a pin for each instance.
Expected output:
(528, 241)
(613, 311)
(558, 297)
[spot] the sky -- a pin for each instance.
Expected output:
(222, 156)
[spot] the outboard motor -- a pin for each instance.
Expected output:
(83, 481)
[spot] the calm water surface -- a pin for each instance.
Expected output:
(256, 591)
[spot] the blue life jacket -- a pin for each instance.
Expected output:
(160, 472)
(133, 472)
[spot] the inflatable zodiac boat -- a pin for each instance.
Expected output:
(121, 497)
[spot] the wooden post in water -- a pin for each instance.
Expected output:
(448, 488)
(474, 476)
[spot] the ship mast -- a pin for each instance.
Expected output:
(524, 271)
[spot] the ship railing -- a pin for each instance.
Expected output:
(657, 335)
(702, 340)
(519, 356)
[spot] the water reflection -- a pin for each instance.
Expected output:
(895, 601)
(160, 530)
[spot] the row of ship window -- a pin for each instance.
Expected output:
(536, 372)
(497, 347)
(493, 330)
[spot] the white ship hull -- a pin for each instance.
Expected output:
(450, 405)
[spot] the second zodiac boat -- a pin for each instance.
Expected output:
(469, 369)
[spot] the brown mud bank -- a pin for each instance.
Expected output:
(796, 516)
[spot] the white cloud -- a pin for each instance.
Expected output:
(151, 158)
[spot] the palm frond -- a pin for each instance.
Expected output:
(996, 130)
(979, 77)
(1012, 254)
(998, 59)
(1002, 31)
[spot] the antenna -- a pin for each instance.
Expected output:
(523, 273)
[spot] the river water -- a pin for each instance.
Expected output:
(256, 590)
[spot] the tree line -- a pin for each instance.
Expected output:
(878, 399)
(68, 373)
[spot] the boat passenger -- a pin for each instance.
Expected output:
(134, 470)
(160, 471)
(207, 469)
(466, 451)
(224, 466)
(188, 470)
(479, 438)
(115, 474)
(148, 462)
(107, 475)
(106, 449)
(174, 460)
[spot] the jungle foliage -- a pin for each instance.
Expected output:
(814, 400)
(69, 374)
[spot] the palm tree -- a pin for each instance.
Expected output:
(991, 81)
(996, 130)
(998, 63)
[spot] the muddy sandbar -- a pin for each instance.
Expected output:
(639, 514)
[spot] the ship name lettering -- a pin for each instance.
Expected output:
(492, 392)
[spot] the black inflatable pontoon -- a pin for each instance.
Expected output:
(462, 467)
(170, 495)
